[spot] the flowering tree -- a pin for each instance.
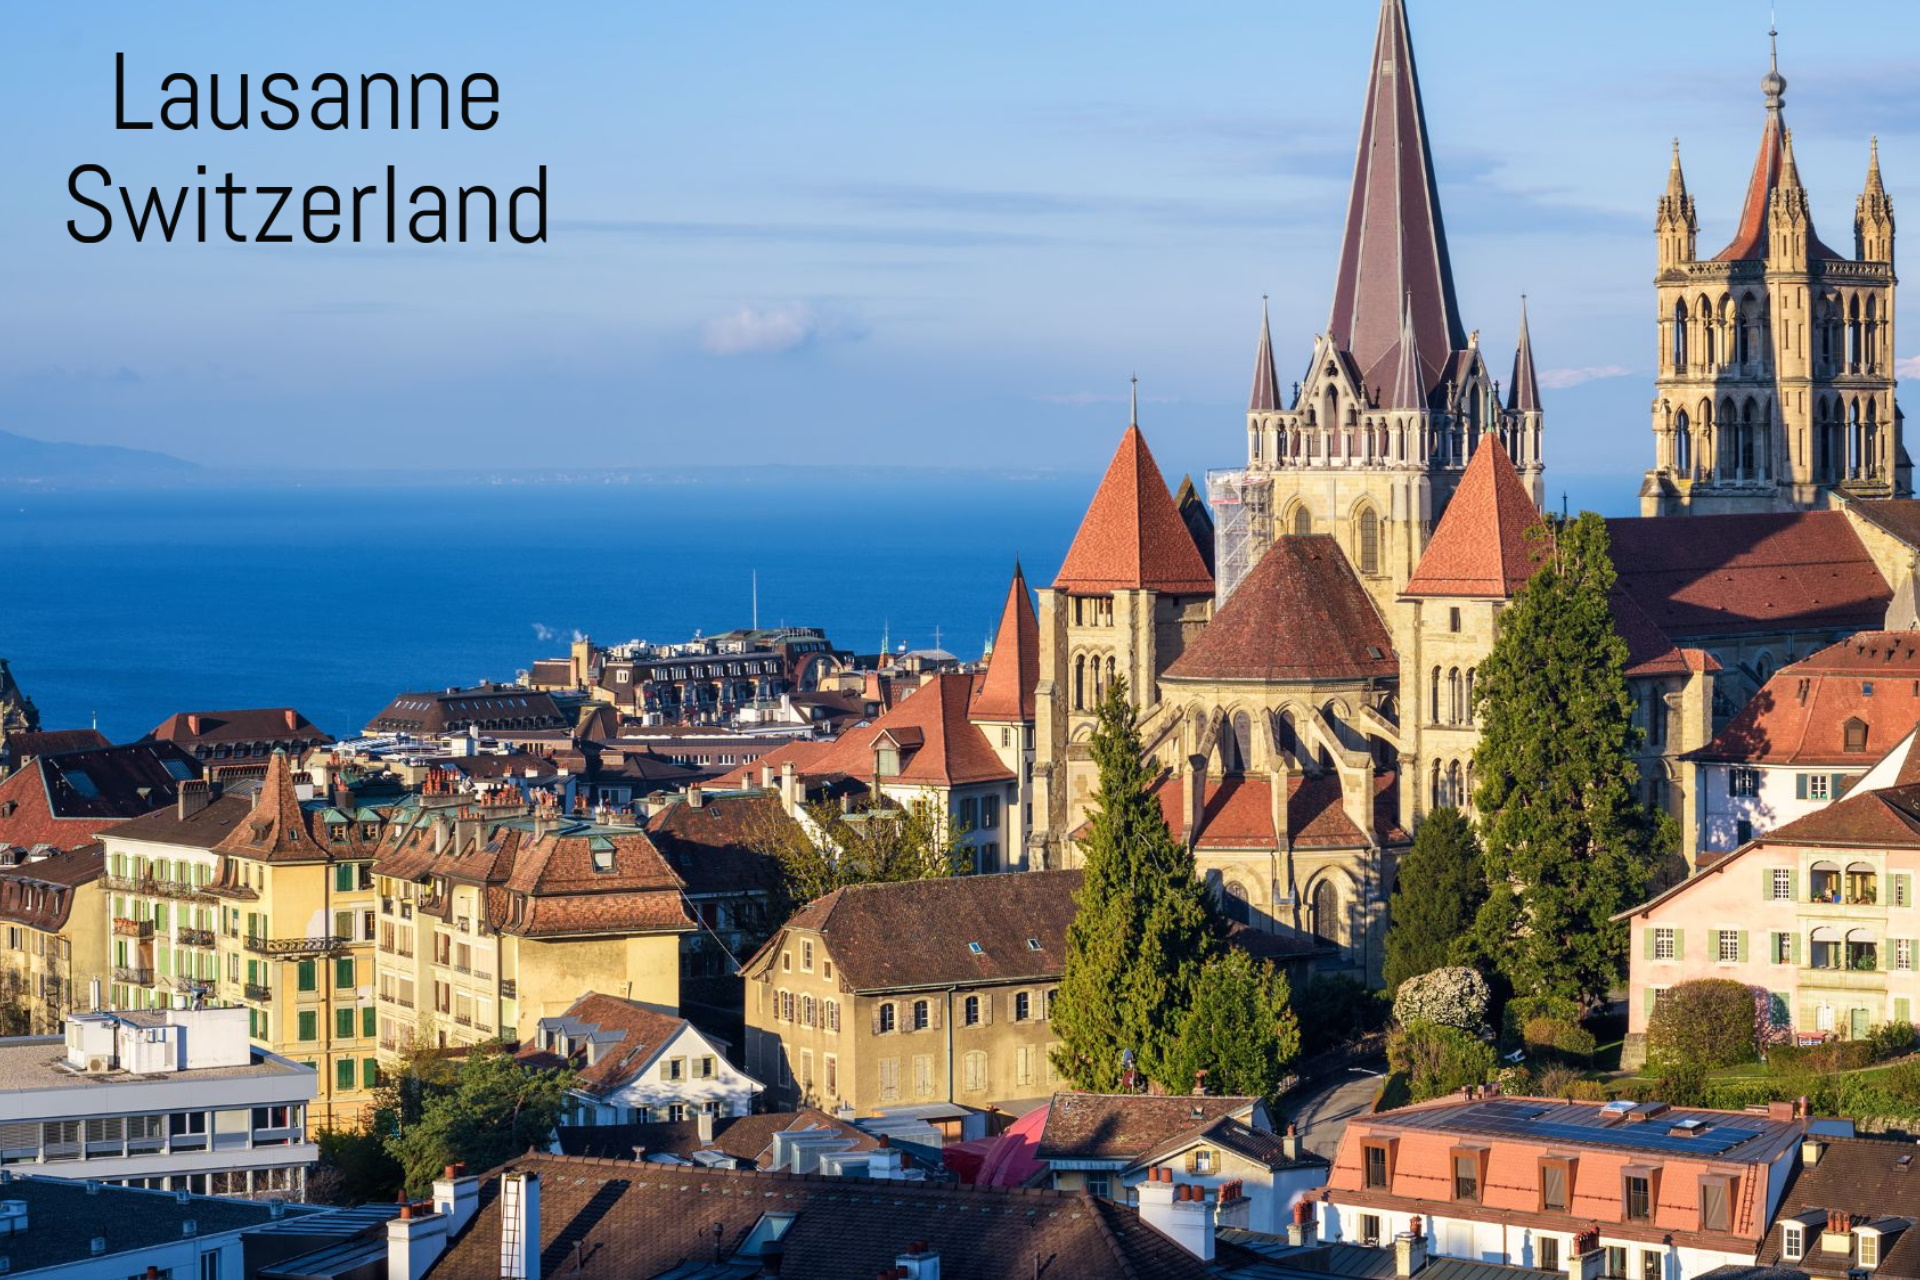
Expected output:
(1454, 996)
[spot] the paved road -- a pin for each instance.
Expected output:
(1321, 1110)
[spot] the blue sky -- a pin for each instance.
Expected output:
(830, 232)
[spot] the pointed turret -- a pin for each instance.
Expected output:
(1523, 389)
(1266, 383)
(1873, 215)
(276, 827)
(1132, 538)
(1754, 240)
(1675, 223)
(1006, 691)
(1484, 546)
(1409, 379)
(1395, 244)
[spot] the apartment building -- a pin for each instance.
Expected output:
(52, 933)
(925, 991)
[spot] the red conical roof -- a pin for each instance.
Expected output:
(1750, 241)
(276, 828)
(1132, 538)
(1484, 546)
(1006, 691)
(1395, 245)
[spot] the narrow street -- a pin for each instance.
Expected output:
(1321, 1110)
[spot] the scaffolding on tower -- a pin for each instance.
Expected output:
(1242, 503)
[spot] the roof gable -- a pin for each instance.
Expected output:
(1484, 546)
(1132, 538)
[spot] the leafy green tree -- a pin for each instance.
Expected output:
(355, 1167)
(1436, 895)
(491, 1110)
(1568, 844)
(867, 845)
(1144, 928)
(1240, 1030)
(1706, 1023)
(1436, 1060)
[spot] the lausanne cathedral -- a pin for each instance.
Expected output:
(1301, 639)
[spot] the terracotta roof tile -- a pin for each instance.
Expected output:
(1013, 672)
(939, 744)
(1750, 240)
(1800, 715)
(629, 1037)
(1126, 1126)
(64, 800)
(1300, 615)
(1132, 537)
(1484, 546)
(1236, 812)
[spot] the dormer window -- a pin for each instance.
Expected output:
(1866, 1247)
(886, 762)
(1856, 735)
(1793, 1242)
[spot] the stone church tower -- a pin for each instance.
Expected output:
(1370, 444)
(1776, 363)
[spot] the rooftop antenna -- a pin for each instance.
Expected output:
(1133, 411)
(756, 599)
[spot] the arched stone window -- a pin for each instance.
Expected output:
(1682, 443)
(1234, 903)
(1437, 800)
(1455, 712)
(1242, 740)
(1456, 791)
(1080, 683)
(1369, 541)
(1325, 905)
(1680, 334)
(1434, 684)
(1302, 521)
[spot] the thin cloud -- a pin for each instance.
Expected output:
(1907, 368)
(802, 233)
(1561, 379)
(772, 330)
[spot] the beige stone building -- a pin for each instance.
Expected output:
(490, 918)
(1775, 389)
(886, 995)
(52, 930)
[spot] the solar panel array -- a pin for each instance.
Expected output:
(1516, 1120)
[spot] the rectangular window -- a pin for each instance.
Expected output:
(1553, 1187)
(1616, 1262)
(1793, 1242)
(343, 1024)
(832, 1065)
(1376, 1168)
(1653, 1264)
(1902, 889)
(1715, 1204)
(1639, 1198)
(1466, 1175)
(1022, 1006)
(1663, 944)
(1743, 782)
(1782, 884)
(309, 1025)
(1903, 953)
(1370, 1229)
(1817, 786)
(1549, 1259)
(1781, 949)
(370, 1072)
(806, 955)
(343, 972)
(1869, 1251)
(1726, 943)
(210, 1266)
(989, 812)
(343, 1074)
(308, 981)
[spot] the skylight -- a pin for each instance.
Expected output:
(976, 948)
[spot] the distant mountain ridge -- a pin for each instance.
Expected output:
(26, 461)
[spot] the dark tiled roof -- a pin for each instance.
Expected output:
(251, 724)
(1132, 537)
(497, 707)
(49, 742)
(939, 744)
(918, 933)
(1486, 545)
(40, 894)
(1857, 1176)
(1262, 1146)
(1707, 576)
(63, 800)
(646, 1219)
(631, 1035)
(1897, 516)
(1126, 1126)
(203, 829)
(1300, 615)
(717, 847)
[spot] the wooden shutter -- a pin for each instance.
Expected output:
(1740, 946)
(1679, 943)
(1800, 786)
(1766, 884)
(876, 1019)
(1796, 948)
(1793, 884)
(933, 1014)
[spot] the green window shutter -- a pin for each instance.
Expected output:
(307, 977)
(343, 972)
(370, 1073)
(342, 878)
(1740, 944)
(343, 1073)
(309, 1025)
(343, 1023)
(1903, 890)
(1646, 936)
(369, 1022)
(1902, 1010)
(1796, 948)
(1800, 786)
(1679, 944)
(1766, 884)
(1793, 884)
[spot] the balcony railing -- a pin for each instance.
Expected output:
(296, 946)
(157, 887)
(126, 928)
(462, 1020)
(257, 992)
(510, 988)
(195, 937)
(132, 973)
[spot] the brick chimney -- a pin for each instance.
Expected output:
(292, 718)
(919, 1262)
(195, 795)
(456, 1196)
(703, 1125)
(193, 724)
(1303, 1232)
(1180, 1211)
(1586, 1260)
(695, 797)
(1290, 1144)
(1410, 1251)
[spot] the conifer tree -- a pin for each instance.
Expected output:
(1241, 1029)
(1567, 843)
(1144, 926)
(1437, 893)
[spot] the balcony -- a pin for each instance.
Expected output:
(125, 928)
(130, 973)
(461, 968)
(462, 1020)
(317, 946)
(195, 937)
(257, 992)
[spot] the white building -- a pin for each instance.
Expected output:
(638, 1065)
(171, 1100)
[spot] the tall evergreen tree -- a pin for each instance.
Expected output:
(1241, 1029)
(1568, 844)
(1144, 926)
(1436, 895)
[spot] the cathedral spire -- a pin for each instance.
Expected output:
(1395, 245)
(1770, 169)
(1409, 382)
(1266, 383)
(1523, 390)
(1676, 180)
(1873, 215)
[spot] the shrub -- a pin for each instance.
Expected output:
(1589, 1091)
(1831, 1058)
(1557, 1036)
(1706, 1023)
(1455, 996)
(1438, 1059)
(1556, 1082)
(1903, 1082)
(1891, 1040)
(1524, 1009)
(1683, 1084)
(1335, 1009)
